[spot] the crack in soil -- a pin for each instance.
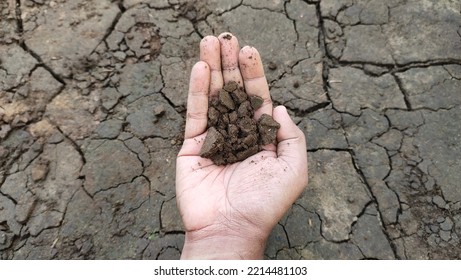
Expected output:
(41, 63)
(326, 58)
(374, 200)
(110, 29)
(285, 12)
(18, 15)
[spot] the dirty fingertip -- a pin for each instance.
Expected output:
(249, 50)
(207, 40)
(225, 36)
(287, 126)
(201, 65)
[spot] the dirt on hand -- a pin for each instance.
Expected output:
(233, 134)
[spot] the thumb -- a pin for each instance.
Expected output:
(291, 140)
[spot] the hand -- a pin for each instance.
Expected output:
(229, 211)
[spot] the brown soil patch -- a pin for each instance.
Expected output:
(227, 37)
(233, 133)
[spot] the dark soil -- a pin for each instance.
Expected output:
(233, 133)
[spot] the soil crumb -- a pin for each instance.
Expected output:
(272, 66)
(233, 134)
(227, 37)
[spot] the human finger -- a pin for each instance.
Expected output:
(291, 141)
(197, 100)
(210, 52)
(229, 58)
(254, 79)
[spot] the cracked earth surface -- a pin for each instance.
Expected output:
(92, 105)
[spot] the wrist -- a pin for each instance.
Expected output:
(205, 245)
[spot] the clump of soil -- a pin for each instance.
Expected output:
(233, 134)
(227, 37)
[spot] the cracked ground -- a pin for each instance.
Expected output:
(92, 105)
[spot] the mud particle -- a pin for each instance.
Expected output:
(231, 86)
(272, 66)
(247, 153)
(250, 140)
(233, 117)
(256, 102)
(213, 116)
(244, 109)
(226, 100)
(296, 84)
(233, 134)
(213, 143)
(221, 108)
(159, 110)
(268, 127)
(268, 121)
(233, 130)
(247, 125)
(239, 96)
(227, 37)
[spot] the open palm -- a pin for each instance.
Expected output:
(243, 200)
